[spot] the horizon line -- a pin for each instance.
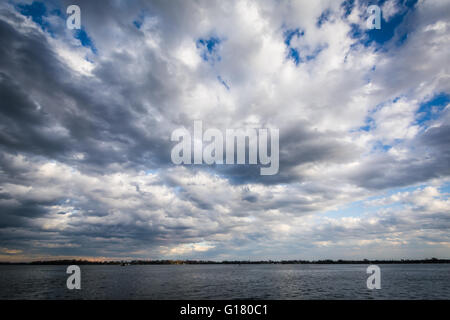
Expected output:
(196, 261)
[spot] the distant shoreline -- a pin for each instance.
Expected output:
(197, 262)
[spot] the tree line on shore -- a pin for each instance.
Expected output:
(178, 262)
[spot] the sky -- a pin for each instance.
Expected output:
(86, 118)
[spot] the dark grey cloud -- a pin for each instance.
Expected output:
(89, 122)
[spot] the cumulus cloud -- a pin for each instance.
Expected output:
(86, 118)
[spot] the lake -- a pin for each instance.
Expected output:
(269, 281)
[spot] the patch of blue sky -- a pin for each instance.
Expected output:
(356, 32)
(386, 147)
(85, 40)
(139, 20)
(348, 6)
(178, 190)
(364, 128)
(431, 109)
(289, 34)
(368, 76)
(445, 188)
(57, 12)
(409, 189)
(137, 24)
(223, 82)
(353, 209)
(324, 17)
(368, 205)
(88, 59)
(389, 29)
(209, 48)
(369, 124)
(37, 11)
(295, 54)
(402, 189)
(380, 146)
(409, 3)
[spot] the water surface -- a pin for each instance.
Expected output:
(398, 281)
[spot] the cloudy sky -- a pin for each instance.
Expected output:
(86, 118)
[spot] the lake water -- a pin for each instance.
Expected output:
(405, 281)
